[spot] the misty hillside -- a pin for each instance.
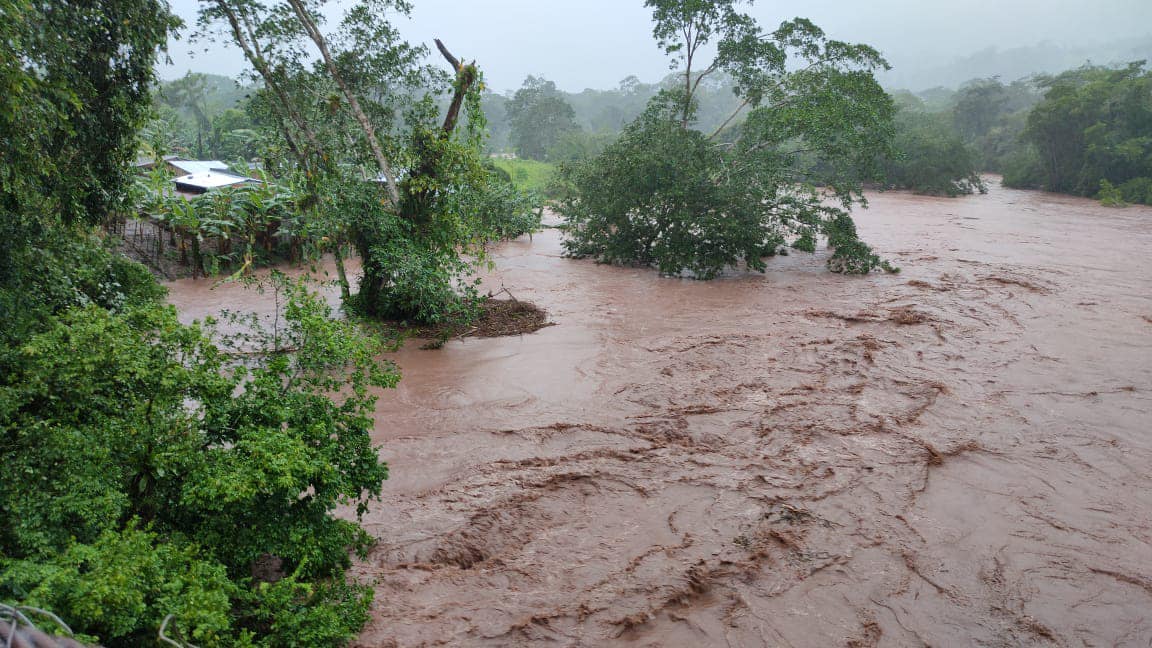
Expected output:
(1014, 63)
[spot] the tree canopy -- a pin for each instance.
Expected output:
(393, 176)
(539, 118)
(1093, 124)
(669, 195)
(149, 476)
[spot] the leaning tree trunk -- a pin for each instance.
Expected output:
(353, 102)
(245, 36)
(416, 205)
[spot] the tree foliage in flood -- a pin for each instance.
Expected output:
(1094, 124)
(393, 177)
(929, 157)
(671, 196)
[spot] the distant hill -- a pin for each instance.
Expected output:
(1015, 63)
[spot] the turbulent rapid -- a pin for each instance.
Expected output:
(954, 455)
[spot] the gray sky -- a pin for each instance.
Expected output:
(596, 43)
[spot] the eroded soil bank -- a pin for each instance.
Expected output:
(956, 455)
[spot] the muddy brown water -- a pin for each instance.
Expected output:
(960, 454)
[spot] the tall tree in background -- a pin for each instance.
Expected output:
(990, 116)
(190, 92)
(978, 104)
(539, 117)
(670, 195)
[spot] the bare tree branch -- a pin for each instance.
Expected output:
(721, 127)
(465, 77)
(448, 55)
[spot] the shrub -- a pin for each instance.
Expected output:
(145, 473)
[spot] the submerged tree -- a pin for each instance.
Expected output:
(930, 157)
(669, 195)
(403, 184)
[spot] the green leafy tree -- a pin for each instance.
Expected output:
(1110, 195)
(538, 117)
(990, 116)
(669, 195)
(930, 157)
(205, 116)
(1093, 124)
(234, 135)
(577, 145)
(190, 93)
(978, 104)
(147, 475)
(494, 107)
(75, 79)
(365, 111)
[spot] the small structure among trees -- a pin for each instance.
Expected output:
(421, 229)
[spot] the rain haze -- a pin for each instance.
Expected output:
(596, 43)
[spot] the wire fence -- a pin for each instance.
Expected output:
(18, 630)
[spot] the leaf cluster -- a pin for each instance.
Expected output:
(384, 170)
(538, 116)
(146, 474)
(930, 157)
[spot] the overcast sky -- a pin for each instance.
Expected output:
(596, 43)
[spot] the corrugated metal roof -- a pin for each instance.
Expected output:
(211, 180)
(149, 161)
(193, 167)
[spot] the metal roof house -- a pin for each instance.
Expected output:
(201, 182)
(180, 166)
(192, 167)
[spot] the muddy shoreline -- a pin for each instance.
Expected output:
(955, 455)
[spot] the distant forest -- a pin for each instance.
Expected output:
(1083, 131)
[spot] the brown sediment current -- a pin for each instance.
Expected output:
(954, 455)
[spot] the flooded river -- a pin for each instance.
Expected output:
(960, 454)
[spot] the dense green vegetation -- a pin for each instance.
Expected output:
(383, 167)
(538, 117)
(153, 472)
(670, 195)
(1086, 132)
(1091, 134)
(203, 116)
(146, 475)
(930, 156)
(943, 137)
(149, 473)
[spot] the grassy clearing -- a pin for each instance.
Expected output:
(528, 175)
